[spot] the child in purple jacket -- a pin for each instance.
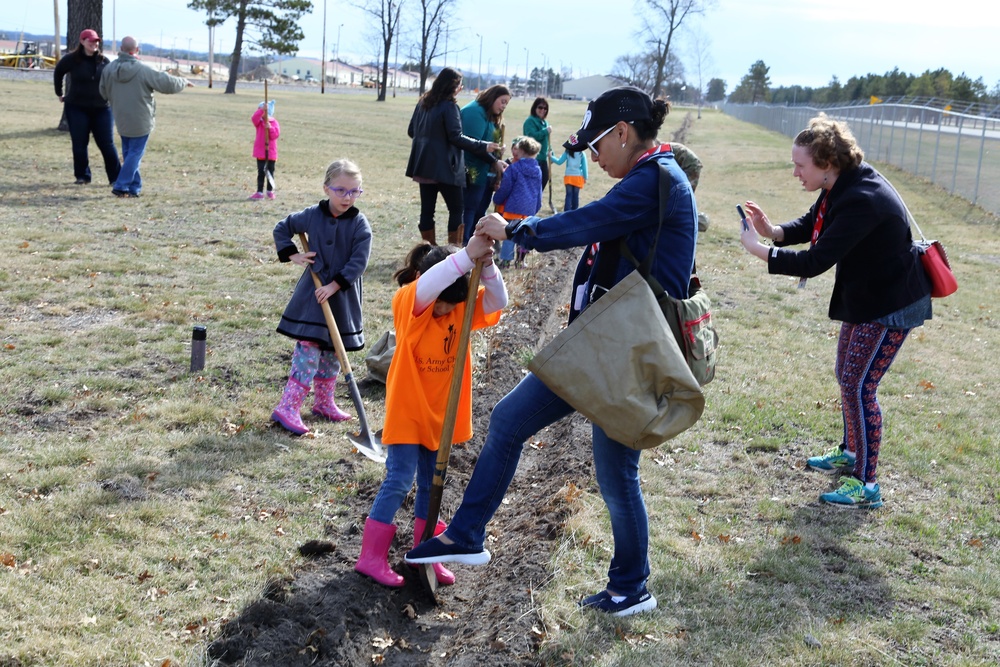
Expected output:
(520, 193)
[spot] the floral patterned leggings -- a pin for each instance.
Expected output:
(864, 354)
(310, 361)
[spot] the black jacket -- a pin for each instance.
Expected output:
(438, 142)
(867, 236)
(84, 79)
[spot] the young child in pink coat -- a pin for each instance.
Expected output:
(265, 148)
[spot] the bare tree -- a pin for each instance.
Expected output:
(432, 13)
(268, 25)
(660, 21)
(387, 12)
(699, 47)
(638, 69)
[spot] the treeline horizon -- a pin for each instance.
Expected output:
(940, 83)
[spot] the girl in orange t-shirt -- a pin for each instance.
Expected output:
(427, 313)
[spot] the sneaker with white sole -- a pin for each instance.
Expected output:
(436, 551)
(852, 494)
(835, 461)
(620, 605)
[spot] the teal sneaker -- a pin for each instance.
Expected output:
(852, 494)
(835, 461)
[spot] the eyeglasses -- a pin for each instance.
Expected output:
(592, 144)
(344, 192)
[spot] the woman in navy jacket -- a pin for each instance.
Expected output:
(880, 291)
(436, 161)
(620, 129)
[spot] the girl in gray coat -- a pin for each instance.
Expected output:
(340, 241)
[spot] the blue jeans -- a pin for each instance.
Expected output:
(129, 179)
(526, 410)
(572, 198)
(401, 462)
(477, 200)
(82, 122)
(506, 251)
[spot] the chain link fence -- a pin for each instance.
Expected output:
(957, 151)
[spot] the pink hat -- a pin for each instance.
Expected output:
(89, 34)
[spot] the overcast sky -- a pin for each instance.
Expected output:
(804, 42)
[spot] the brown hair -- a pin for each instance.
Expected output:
(538, 101)
(445, 87)
(830, 143)
(487, 98)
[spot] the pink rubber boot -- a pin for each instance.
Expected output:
(445, 576)
(325, 388)
(287, 412)
(374, 559)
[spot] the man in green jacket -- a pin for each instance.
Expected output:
(128, 85)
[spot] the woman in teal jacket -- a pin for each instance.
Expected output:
(536, 127)
(481, 119)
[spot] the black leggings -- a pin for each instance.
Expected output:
(454, 199)
(261, 178)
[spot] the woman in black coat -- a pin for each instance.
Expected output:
(86, 111)
(436, 161)
(860, 225)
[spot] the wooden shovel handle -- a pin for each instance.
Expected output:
(451, 410)
(331, 324)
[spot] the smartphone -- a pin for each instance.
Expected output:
(743, 217)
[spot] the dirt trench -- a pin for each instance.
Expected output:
(330, 615)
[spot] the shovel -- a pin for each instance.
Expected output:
(267, 142)
(448, 427)
(365, 442)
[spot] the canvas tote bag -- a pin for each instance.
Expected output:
(619, 365)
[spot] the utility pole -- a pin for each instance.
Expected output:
(322, 67)
(525, 72)
(336, 67)
(479, 70)
(505, 61)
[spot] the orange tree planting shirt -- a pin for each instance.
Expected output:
(420, 373)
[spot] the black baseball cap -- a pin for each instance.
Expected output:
(616, 104)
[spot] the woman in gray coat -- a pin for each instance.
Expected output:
(436, 161)
(340, 242)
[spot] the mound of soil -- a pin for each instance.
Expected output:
(330, 615)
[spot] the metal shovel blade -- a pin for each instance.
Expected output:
(369, 445)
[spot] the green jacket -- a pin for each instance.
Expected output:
(128, 85)
(538, 129)
(475, 124)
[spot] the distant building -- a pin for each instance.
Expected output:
(589, 87)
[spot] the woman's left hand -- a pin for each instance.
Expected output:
(492, 226)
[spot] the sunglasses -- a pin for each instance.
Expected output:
(592, 144)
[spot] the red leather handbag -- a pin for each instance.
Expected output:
(937, 266)
(935, 260)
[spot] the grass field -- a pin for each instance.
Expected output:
(142, 506)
